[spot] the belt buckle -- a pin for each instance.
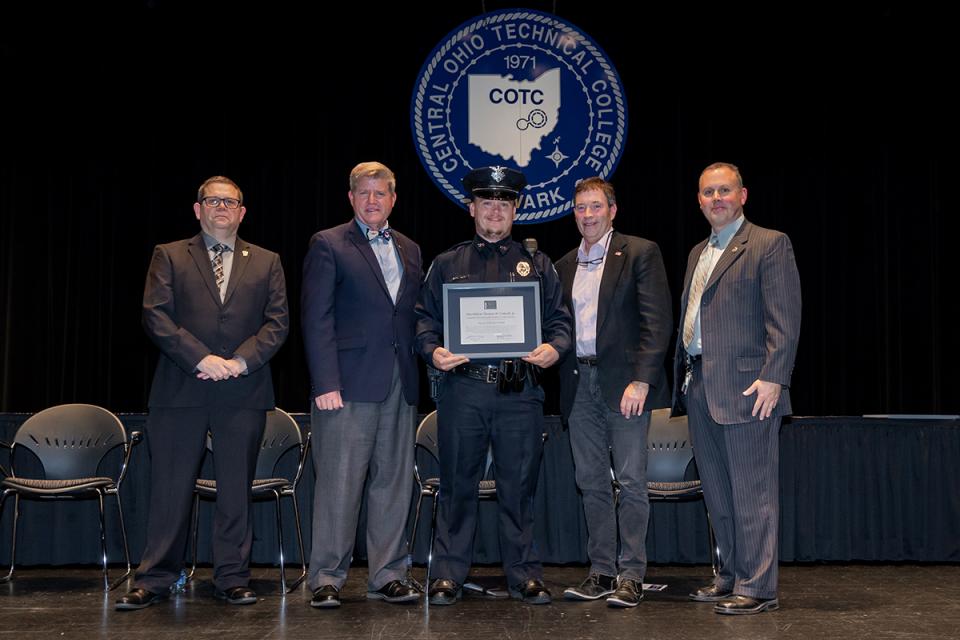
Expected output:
(491, 374)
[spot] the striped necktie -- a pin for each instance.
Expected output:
(697, 283)
(217, 262)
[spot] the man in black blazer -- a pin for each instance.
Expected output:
(360, 283)
(615, 286)
(216, 307)
(740, 324)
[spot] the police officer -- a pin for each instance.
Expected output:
(483, 403)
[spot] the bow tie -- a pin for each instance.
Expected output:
(383, 234)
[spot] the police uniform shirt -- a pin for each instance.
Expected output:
(481, 261)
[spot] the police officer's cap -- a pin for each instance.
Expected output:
(495, 183)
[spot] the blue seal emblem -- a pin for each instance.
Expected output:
(523, 89)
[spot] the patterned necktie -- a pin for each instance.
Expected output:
(697, 283)
(383, 234)
(217, 263)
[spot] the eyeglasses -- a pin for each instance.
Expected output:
(597, 261)
(214, 201)
(587, 263)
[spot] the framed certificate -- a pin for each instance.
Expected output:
(491, 319)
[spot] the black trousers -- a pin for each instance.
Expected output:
(176, 439)
(473, 417)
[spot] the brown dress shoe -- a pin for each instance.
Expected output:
(444, 591)
(395, 592)
(532, 592)
(711, 593)
(138, 599)
(745, 605)
(325, 597)
(237, 595)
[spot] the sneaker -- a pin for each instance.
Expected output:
(594, 587)
(629, 593)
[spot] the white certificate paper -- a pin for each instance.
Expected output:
(491, 320)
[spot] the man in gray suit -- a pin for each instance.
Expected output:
(360, 283)
(740, 323)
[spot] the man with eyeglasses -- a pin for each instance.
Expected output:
(739, 329)
(615, 286)
(360, 283)
(490, 404)
(216, 307)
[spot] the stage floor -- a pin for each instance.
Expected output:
(817, 601)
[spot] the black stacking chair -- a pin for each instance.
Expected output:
(427, 444)
(279, 436)
(71, 442)
(671, 468)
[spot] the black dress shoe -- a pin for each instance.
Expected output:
(325, 597)
(711, 593)
(443, 591)
(629, 593)
(138, 599)
(593, 588)
(237, 595)
(745, 605)
(395, 591)
(532, 592)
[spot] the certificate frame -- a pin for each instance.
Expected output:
(460, 298)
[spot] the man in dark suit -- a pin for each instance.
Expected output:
(360, 284)
(615, 286)
(740, 323)
(216, 306)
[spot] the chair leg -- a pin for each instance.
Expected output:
(303, 557)
(433, 535)
(196, 534)
(103, 541)
(283, 572)
(13, 536)
(715, 560)
(412, 542)
(126, 548)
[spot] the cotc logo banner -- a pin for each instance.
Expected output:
(523, 89)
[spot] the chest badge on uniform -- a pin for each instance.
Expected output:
(523, 268)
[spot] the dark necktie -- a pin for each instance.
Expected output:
(217, 262)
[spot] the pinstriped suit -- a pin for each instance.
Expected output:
(750, 325)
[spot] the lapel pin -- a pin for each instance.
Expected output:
(245, 253)
(618, 253)
(734, 250)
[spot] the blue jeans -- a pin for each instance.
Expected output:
(596, 433)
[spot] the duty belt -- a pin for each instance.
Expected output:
(483, 372)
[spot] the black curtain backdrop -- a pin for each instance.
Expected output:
(840, 126)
